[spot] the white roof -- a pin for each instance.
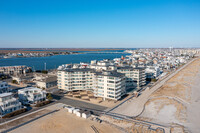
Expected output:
(5, 94)
(30, 89)
(72, 108)
(2, 82)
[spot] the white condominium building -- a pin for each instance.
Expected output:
(31, 95)
(8, 104)
(109, 85)
(106, 84)
(76, 79)
(3, 87)
(135, 77)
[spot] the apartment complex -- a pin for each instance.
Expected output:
(14, 70)
(106, 78)
(3, 87)
(135, 77)
(31, 95)
(8, 104)
(109, 85)
(105, 84)
(76, 79)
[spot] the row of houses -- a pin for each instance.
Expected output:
(157, 61)
(40, 80)
(15, 70)
(9, 102)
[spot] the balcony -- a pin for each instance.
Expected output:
(11, 106)
(117, 91)
(116, 84)
(118, 80)
(117, 94)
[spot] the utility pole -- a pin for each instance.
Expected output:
(45, 66)
(33, 69)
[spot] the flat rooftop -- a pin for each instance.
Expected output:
(29, 89)
(5, 94)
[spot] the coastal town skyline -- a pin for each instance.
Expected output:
(108, 91)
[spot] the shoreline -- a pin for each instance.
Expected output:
(37, 63)
(40, 56)
(47, 53)
(177, 102)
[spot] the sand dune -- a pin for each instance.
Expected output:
(178, 100)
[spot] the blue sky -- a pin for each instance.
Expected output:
(99, 23)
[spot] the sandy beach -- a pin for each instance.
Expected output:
(64, 122)
(177, 102)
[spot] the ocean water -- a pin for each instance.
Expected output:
(52, 62)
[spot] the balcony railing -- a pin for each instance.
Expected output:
(118, 94)
(119, 90)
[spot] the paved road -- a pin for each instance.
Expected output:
(81, 104)
(135, 106)
(60, 99)
(77, 103)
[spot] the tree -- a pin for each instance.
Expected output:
(30, 70)
(49, 96)
(14, 81)
(38, 71)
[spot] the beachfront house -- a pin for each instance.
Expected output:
(8, 104)
(31, 95)
(3, 87)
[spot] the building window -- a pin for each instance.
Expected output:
(111, 78)
(110, 96)
(111, 82)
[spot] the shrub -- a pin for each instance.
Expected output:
(14, 81)
(44, 71)
(42, 103)
(14, 113)
(38, 71)
(153, 80)
(49, 96)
